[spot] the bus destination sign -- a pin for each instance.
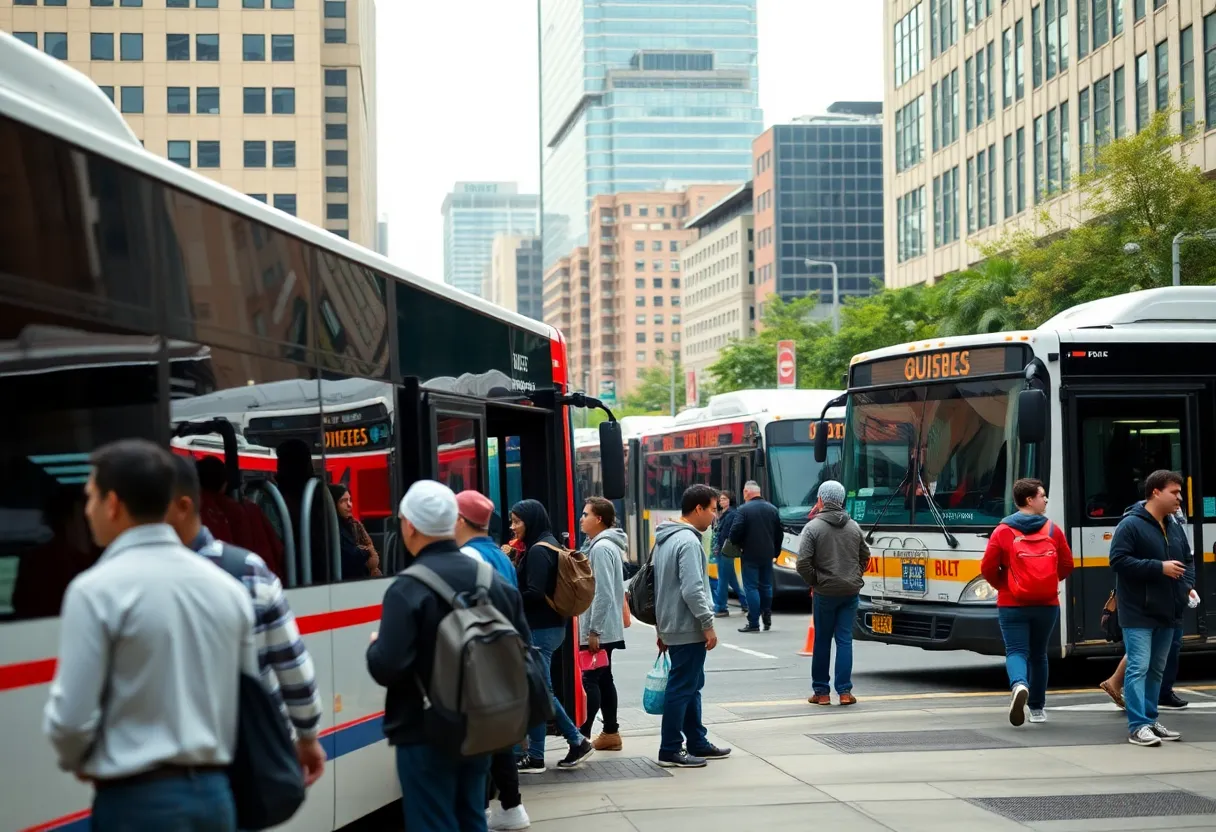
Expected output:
(941, 365)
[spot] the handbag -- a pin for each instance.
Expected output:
(730, 549)
(592, 661)
(1110, 619)
(654, 697)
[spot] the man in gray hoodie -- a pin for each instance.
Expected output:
(685, 624)
(832, 557)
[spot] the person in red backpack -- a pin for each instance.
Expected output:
(1026, 558)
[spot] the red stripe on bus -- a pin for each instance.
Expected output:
(24, 674)
(336, 620)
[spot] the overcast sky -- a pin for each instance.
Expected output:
(457, 88)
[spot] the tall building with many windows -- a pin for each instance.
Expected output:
(641, 95)
(993, 108)
(514, 276)
(474, 213)
(275, 98)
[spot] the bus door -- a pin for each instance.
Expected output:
(1116, 440)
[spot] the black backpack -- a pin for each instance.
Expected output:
(265, 776)
(641, 592)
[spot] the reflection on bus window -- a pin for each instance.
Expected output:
(1120, 449)
(458, 453)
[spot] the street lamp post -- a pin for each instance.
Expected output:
(1209, 234)
(835, 290)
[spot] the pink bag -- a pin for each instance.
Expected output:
(592, 661)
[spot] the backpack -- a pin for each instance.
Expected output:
(575, 588)
(1033, 566)
(641, 592)
(480, 696)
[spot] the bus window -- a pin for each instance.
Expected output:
(715, 473)
(1122, 442)
(458, 458)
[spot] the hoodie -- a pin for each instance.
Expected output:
(1140, 545)
(681, 585)
(537, 567)
(995, 564)
(606, 617)
(832, 553)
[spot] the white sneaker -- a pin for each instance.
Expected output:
(1144, 736)
(1017, 704)
(1037, 716)
(1164, 734)
(508, 819)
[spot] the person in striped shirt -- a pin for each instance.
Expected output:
(287, 669)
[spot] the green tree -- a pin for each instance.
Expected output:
(652, 394)
(981, 299)
(751, 363)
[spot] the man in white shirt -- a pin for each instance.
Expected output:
(152, 641)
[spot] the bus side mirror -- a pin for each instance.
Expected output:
(757, 459)
(821, 441)
(1032, 416)
(612, 460)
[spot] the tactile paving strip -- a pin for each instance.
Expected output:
(948, 740)
(1097, 806)
(592, 771)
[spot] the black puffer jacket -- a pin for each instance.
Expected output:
(537, 569)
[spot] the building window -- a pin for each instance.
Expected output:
(258, 197)
(1019, 60)
(285, 202)
(206, 47)
(132, 99)
(640, 320)
(1036, 46)
(337, 211)
(207, 102)
(1007, 67)
(656, 265)
(282, 4)
(284, 100)
(975, 12)
(640, 300)
(336, 185)
(675, 267)
(101, 46)
(109, 92)
(177, 100)
(1083, 28)
(943, 26)
(1056, 42)
(335, 132)
(971, 195)
(1138, 8)
(656, 245)
(253, 47)
(656, 301)
(255, 100)
(1141, 91)
(945, 111)
(1007, 172)
(1101, 27)
(337, 78)
(254, 4)
(333, 35)
(909, 140)
(131, 46)
(656, 282)
(909, 40)
(54, 2)
(284, 154)
(1021, 177)
(1040, 175)
(1102, 133)
(639, 283)
(1085, 131)
(1163, 75)
(1053, 151)
(335, 103)
(177, 4)
(28, 38)
(910, 218)
(91, 3)
(255, 154)
(1186, 48)
(639, 337)
(282, 47)
(206, 4)
(179, 152)
(208, 154)
(1065, 147)
(1120, 104)
(1116, 15)
(335, 9)
(945, 207)
(335, 158)
(177, 47)
(659, 337)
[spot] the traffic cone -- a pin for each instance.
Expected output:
(809, 649)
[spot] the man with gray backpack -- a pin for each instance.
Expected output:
(453, 652)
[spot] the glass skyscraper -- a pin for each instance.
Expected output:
(473, 215)
(641, 95)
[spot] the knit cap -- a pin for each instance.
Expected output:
(832, 494)
(431, 507)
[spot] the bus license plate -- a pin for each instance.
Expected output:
(914, 577)
(881, 624)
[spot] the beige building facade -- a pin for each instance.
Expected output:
(719, 280)
(275, 98)
(513, 278)
(991, 109)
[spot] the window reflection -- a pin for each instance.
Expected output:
(458, 453)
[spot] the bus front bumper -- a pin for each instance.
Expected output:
(933, 626)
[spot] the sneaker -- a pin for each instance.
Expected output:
(1144, 736)
(722, 614)
(531, 765)
(577, 754)
(749, 629)
(1164, 734)
(1114, 693)
(847, 698)
(1037, 716)
(713, 752)
(820, 699)
(1017, 704)
(681, 759)
(607, 742)
(1172, 702)
(767, 620)
(508, 819)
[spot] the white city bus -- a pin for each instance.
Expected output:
(1090, 403)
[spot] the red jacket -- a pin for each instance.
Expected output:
(995, 564)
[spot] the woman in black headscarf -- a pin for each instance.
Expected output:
(359, 556)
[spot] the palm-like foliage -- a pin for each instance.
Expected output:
(982, 299)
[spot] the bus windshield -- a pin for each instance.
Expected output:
(796, 477)
(942, 448)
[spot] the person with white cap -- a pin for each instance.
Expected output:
(440, 793)
(832, 557)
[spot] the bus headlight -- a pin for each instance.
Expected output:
(978, 591)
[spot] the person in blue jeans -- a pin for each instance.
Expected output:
(1149, 555)
(727, 579)
(757, 531)
(832, 558)
(537, 573)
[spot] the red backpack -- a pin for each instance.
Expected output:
(1034, 576)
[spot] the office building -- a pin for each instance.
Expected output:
(993, 108)
(474, 213)
(719, 273)
(641, 96)
(625, 311)
(514, 278)
(275, 98)
(818, 189)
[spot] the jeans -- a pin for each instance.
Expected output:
(758, 583)
(192, 803)
(833, 617)
(682, 704)
(440, 793)
(727, 580)
(1148, 649)
(1026, 632)
(1170, 674)
(601, 695)
(547, 641)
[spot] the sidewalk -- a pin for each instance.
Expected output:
(962, 768)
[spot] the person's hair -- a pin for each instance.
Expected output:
(337, 490)
(696, 496)
(1159, 481)
(140, 473)
(728, 495)
(186, 480)
(1025, 490)
(751, 485)
(212, 474)
(603, 509)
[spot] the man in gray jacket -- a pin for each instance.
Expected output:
(685, 624)
(832, 557)
(602, 627)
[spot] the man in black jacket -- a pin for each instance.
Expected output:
(1148, 554)
(439, 792)
(758, 534)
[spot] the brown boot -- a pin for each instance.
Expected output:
(848, 699)
(607, 742)
(820, 699)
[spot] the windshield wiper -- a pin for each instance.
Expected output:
(934, 510)
(886, 505)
